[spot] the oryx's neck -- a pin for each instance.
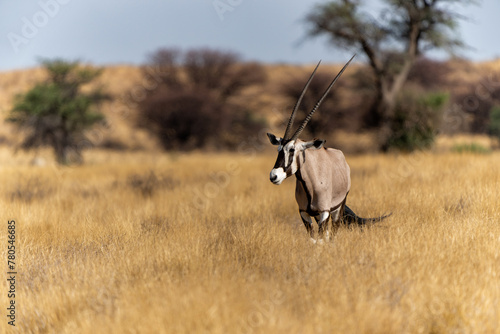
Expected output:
(303, 158)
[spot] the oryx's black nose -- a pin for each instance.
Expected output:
(273, 178)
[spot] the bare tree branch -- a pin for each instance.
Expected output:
(407, 28)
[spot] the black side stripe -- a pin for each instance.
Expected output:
(309, 211)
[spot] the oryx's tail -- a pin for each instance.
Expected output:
(350, 217)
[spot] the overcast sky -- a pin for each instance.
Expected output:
(126, 31)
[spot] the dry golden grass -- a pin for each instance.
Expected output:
(143, 243)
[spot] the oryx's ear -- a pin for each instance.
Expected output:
(273, 139)
(316, 144)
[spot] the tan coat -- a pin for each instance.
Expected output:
(323, 180)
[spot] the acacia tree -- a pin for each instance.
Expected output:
(56, 113)
(403, 30)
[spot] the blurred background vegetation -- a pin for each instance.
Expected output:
(395, 98)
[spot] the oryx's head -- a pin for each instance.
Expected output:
(289, 147)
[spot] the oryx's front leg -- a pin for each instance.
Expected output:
(322, 221)
(306, 219)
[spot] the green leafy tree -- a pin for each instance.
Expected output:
(391, 40)
(57, 112)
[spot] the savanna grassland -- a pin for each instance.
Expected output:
(163, 243)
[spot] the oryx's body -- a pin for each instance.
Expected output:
(323, 175)
(323, 180)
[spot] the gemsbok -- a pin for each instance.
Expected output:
(323, 175)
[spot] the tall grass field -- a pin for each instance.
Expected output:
(204, 243)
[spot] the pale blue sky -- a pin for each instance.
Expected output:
(126, 31)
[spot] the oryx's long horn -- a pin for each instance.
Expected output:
(297, 104)
(308, 117)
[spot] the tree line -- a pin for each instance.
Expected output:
(196, 105)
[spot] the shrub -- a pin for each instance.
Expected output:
(429, 73)
(30, 190)
(148, 184)
(470, 148)
(329, 114)
(193, 105)
(477, 102)
(494, 127)
(415, 121)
